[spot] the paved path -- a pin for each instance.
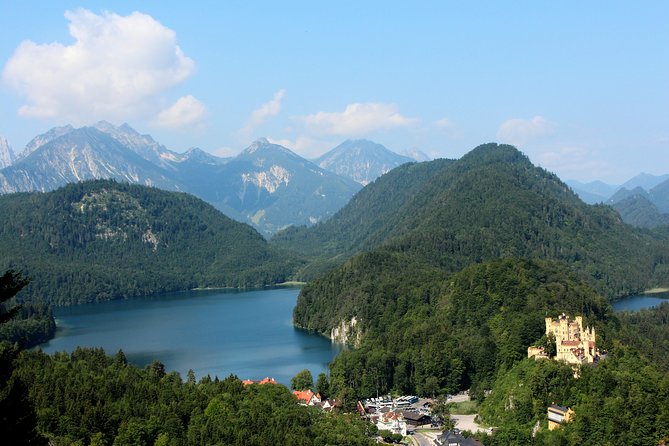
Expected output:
(459, 398)
(467, 423)
(424, 438)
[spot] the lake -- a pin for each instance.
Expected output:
(636, 303)
(249, 334)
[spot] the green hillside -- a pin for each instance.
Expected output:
(427, 333)
(492, 203)
(638, 210)
(101, 240)
(367, 219)
(457, 282)
(430, 335)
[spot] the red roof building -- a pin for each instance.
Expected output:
(307, 397)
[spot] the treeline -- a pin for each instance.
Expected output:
(88, 398)
(32, 325)
(647, 330)
(101, 240)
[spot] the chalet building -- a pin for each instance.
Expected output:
(574, 344)
(415, 419)
(307, 397)
(558, 415)
(328, 405)
(392, 421)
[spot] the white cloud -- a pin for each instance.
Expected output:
(225, 151)
(267, 110)
(184, 112)
(520, 131)
(357, 119)
(572, 162)
(305, 146)
(444, 123)
(449, 128)
(116, 69)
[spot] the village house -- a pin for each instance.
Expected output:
(558, 415)
(266, 380)
(307, 397)
(391, 420)
(450, 438)
(328, 405)
(415, 419)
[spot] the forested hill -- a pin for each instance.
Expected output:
(492, 203)
(368, 219)
(102, 240)
(429, 334)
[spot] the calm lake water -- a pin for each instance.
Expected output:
(247, 333)
(636, 303)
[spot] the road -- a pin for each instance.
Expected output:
(424, 438)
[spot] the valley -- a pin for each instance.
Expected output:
(437, 275)
(334, 223)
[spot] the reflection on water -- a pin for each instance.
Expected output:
(218, 333)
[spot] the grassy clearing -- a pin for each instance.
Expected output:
(656, 290)
(291, 283)
(464, 408)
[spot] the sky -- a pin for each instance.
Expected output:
(582, 88)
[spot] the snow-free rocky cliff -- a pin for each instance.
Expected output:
(6, 154)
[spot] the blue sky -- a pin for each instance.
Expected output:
(581, 87)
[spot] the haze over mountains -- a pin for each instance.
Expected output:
(642, 201)
(266, 185)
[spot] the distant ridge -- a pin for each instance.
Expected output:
(361, 160)
(266, 185)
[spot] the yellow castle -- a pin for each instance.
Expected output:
(574, 345)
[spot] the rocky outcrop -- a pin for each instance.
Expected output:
(6, 154)
(347, 332)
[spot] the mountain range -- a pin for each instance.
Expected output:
(642, 201)
(600, 192)
(490, 203)
(266, 185)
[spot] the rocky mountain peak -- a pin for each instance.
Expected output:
(257, 144)
(45, 138)
(361, 160)
(6, 153)
(416, 154)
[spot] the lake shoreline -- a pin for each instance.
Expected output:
(249, 334)
(288, 284)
